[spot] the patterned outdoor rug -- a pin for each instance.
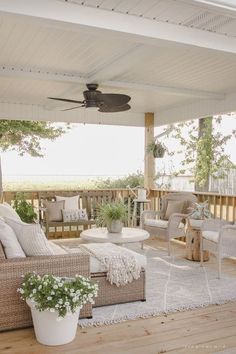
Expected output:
(172, 284)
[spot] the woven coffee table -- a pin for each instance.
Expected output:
(128, 235)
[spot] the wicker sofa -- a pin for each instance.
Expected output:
(14, 313)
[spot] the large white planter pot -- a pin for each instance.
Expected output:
(51, 331)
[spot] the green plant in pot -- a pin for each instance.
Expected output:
(112, 215)
(198, 213)
(157, 149)
(24, 209)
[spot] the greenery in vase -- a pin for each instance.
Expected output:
(24, 209)
(200, 211)
(109, 212)
(56, 294)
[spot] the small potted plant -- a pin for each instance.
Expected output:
(112, 215)
(157, 149)
(55, 305)
(199, 212)
(24, 209)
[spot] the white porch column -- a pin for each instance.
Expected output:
(149, 163)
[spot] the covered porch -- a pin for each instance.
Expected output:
(176, 60)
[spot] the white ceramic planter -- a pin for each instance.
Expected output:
(115, 226)
(51, 331)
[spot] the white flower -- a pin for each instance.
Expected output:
(49, 298)
(40, 287)
(55, 287)
(34, 291)
(72, 290)
(60, 285)
(52, 310)
(74, 299)
(60, 301)
(67, 303)
(21, 291)
(52, 292)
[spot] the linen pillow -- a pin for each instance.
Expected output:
(74, 215)
(173, 207)
(11, 245)
(31, 238)
(57, 250)
(71, 203)
(7, 210)
(54, 210)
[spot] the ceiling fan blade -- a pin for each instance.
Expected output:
(112, 99)
(64, 100)
(69, 109)
(107, 109)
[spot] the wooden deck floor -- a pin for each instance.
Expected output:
(207, 330)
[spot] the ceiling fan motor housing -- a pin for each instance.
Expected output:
(90, 96)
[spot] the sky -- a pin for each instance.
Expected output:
(96, 150)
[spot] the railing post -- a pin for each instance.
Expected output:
(149, 163)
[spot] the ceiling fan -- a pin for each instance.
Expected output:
(105, 102)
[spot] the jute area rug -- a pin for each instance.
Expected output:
(172, 284)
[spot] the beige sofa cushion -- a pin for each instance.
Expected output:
(159, 223)
(7, 210)
(54, 210)
(71, 203)
(31, 238)
(9, 241)
(211, 236)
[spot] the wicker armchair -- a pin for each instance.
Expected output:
(155, 223)
(219, 238)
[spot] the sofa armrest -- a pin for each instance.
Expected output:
(14, 313)
(61, 265)
(149, 214)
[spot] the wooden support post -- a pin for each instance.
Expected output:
(149, 165)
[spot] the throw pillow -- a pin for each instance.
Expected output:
(7, 210)
(74, 215)
(54, 210)
(11, 245)
(31, 238)
(173, 207)
(71, 203)
(57, 250)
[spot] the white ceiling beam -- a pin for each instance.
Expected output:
(41, 74)
(16, 111)
(179, 91)
(222, 4)
(197, 109)
(132, 28)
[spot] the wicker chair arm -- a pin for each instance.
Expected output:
(213, 224)
(174, 221)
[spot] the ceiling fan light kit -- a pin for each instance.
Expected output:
(105, 102)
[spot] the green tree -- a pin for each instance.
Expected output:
(133, 180)
(203, 149)
(25, 137)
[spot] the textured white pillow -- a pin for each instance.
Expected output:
(8, 211)
(11, 245)
(70, 202)
(31, 238)
(74, 215)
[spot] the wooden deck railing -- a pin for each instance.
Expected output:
(221, 206)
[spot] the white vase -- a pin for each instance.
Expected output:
(115, 226)
(142, 194)
(51, 331)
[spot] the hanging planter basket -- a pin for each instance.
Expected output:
(157, 149)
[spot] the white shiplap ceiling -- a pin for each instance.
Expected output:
(176, 58)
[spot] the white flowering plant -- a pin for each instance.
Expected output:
(57, 294)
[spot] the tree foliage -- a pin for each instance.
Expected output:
(203, 149)
(25, 136)
(133, 180)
